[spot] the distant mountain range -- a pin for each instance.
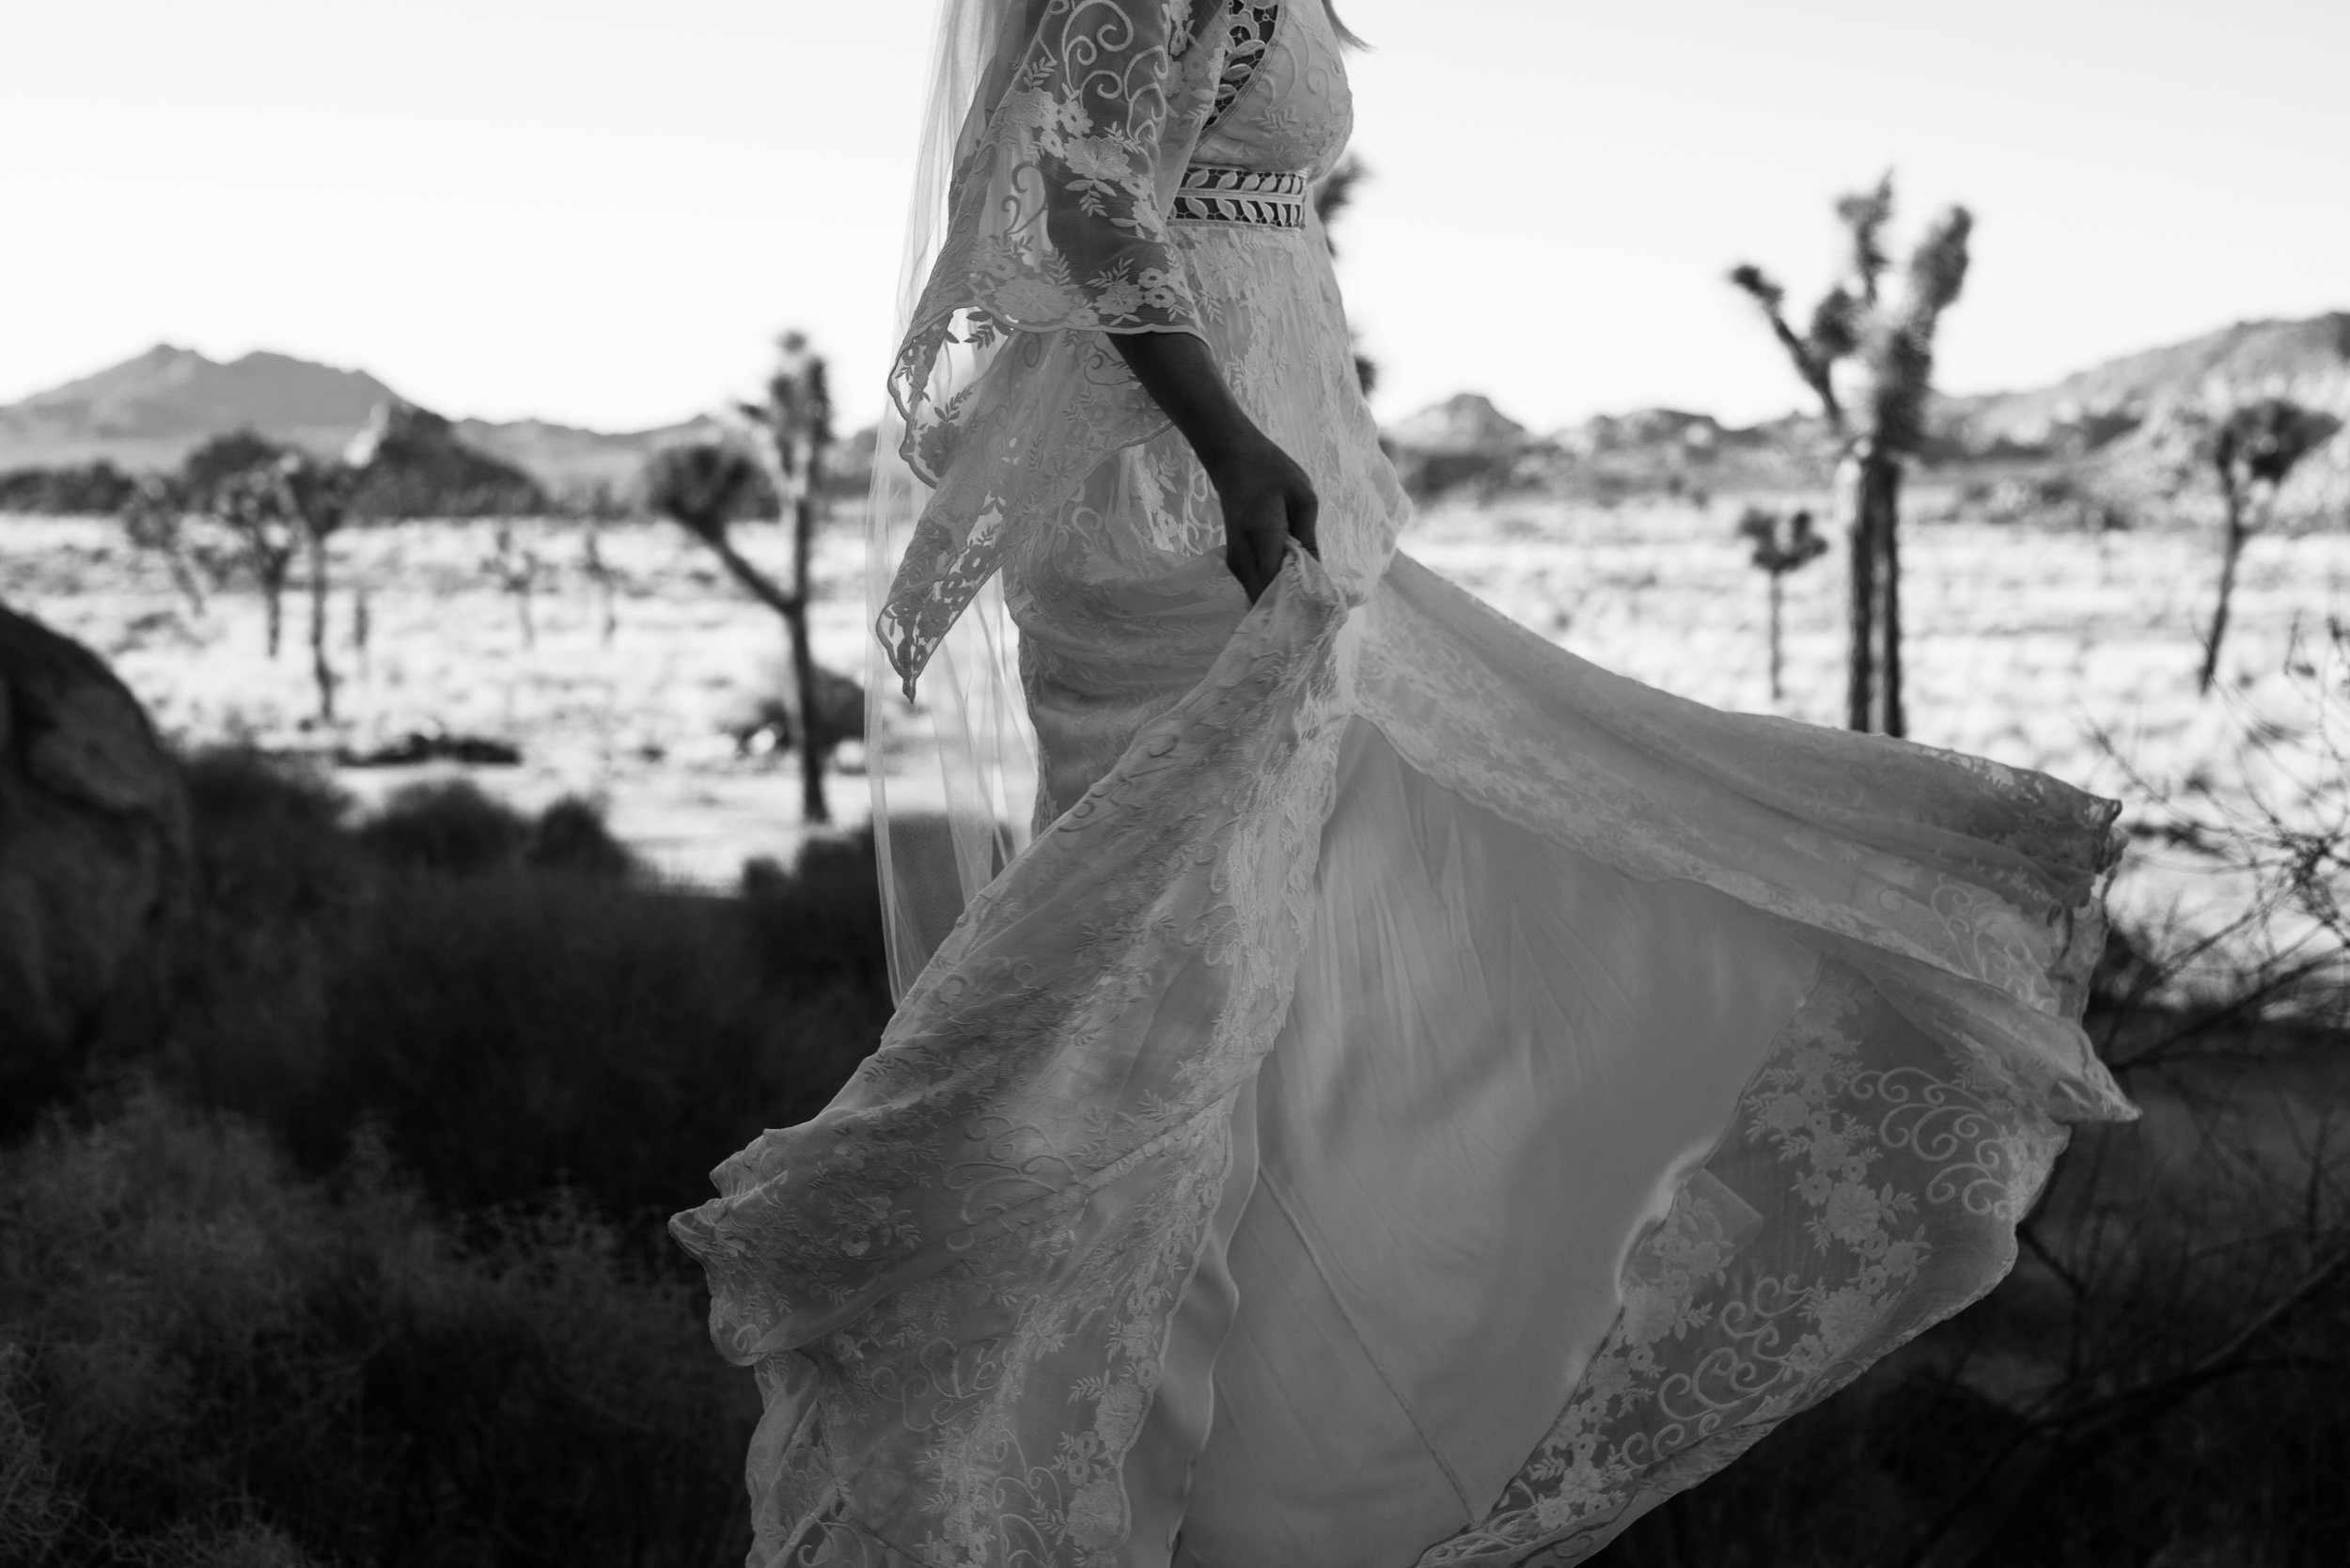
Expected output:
(2112, 441)
(148, 411)
(2308, 361)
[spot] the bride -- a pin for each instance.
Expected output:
(1417, 1098)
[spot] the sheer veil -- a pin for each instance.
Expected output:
(1004, 396)
(935, 850)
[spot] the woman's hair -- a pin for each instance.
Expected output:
(1346, 35)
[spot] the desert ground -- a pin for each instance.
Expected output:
(2075, 652)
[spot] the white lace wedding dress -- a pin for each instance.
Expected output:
(1419, 1098)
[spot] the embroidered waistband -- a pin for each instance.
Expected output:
(1211, 193)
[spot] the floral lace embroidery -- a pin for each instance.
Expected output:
(1056, 230)
(955, 1285)
(1869, 1190)
(1249, 28)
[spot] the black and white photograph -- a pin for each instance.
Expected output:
(1174, 784)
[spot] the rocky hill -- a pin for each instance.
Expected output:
(2308, 361)
(2125, 433)
(2115, 442)
(1464, 422)
(149, 412)
(412, 462)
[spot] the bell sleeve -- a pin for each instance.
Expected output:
(1055, 234)
(1059, 210)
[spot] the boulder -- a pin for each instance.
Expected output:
(1463, 441)
(94, 865)
(412, 464)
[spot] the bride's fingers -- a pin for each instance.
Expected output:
(1254, 549)
(1240, 558)
(1303, 511)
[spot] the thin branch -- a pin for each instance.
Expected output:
(760, 584)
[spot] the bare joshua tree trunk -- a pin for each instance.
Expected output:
(599, 573)
(1780, 545)
(514, 562)
(273, 580)
(796, 422)
(2231, 551)
(812, 804)
(322, 671)
(1872, 484)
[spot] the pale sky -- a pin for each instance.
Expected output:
(600, 212)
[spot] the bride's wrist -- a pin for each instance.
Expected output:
(1241, 450)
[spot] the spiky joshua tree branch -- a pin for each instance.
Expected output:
(705, 487)
(2252, 451)
(1889, 343)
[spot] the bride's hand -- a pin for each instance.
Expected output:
(1268, 500)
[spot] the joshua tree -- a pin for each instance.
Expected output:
(2253, 449)
(1781, 545)
(1892, 341)
(600, 574)
(516, 566)
(317, 497)
(704, 488)
(794, 429)
(155, 519)
(280, 505)
(233, 477)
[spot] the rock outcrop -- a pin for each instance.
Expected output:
(412, 464)
(94, 865)
(1464, 440)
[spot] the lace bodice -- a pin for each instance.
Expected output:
(1249, 28)
(1059, 233)
(1282, 102)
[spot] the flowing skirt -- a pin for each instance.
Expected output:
(1424, 1100)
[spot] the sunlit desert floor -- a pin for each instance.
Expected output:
(2072, 652)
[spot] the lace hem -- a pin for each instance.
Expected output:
(1868, 1188)
(983, 1239)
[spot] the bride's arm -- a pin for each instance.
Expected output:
(1266, 497)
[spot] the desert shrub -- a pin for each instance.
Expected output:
(2043, 1430)
(206, 1360)
(451, 825)
(446, 825)
(510, 1033)
(572, 836)
(277, 876)
(824, 914)
(501, 999)
(88, 490)
(2161, 1379)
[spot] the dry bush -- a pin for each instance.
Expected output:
(502, 999)
(368, 1267)
(2161, 1380)
(206, 1360)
